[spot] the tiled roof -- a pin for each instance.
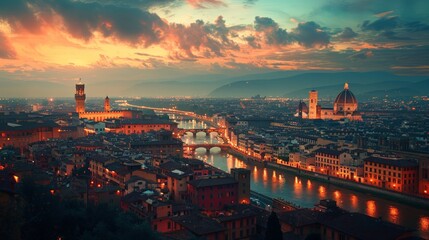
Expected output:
(353, 223)
(207, 182)
(328, 151)
(199, 224)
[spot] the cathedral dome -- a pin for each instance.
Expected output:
(345, 97)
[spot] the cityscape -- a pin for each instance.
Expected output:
(171, 119)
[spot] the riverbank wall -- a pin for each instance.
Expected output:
(390, 195)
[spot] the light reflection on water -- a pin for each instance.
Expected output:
(305, 192)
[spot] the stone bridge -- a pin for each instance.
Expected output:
(219, 131)
(207, 146)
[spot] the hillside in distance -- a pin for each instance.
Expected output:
(327, 83)
(30, 89)
(366, 91)
(294, 84)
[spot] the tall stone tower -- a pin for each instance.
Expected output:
(107, 104)
(242, 175)
(312, 104)
(80, 97)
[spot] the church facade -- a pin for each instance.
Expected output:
(345, 107)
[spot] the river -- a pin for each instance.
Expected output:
(305, 192)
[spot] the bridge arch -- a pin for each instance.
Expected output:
(215, 150)
(201, 133)
(205, 147)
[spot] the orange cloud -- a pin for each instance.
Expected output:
(205, 3)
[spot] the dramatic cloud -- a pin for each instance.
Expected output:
(6, 49)
(347, 34)
(381, 24)
(211, 39)
(124, 23)
(181, 34)
(273, 33)
(20, 14)
(310, 34)
(83, 19)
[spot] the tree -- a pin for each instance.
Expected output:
(274, 231)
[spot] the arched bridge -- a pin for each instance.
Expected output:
(207, 146)
(219, 131)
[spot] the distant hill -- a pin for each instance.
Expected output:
(391, 88)
(328, 84)
(283, 83)
(171, 88)
(18, 88)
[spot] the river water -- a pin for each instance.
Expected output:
(305, 192)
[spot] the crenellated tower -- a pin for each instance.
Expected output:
(80, 97)
(107, 104)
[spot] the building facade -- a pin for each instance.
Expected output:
(396, 175)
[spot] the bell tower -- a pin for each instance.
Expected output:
(312, 104)
(80, 97)
(107, 104)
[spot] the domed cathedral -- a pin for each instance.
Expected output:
(345, 102)
(99, 116)
(345, 107)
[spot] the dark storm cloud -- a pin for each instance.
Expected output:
(346, 34)
(128, 24)
(6, 49)
(273, 33)
(82, 19)
(310, 34)
(381, 24)
(125, 23)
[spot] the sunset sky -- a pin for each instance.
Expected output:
(61, 40)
